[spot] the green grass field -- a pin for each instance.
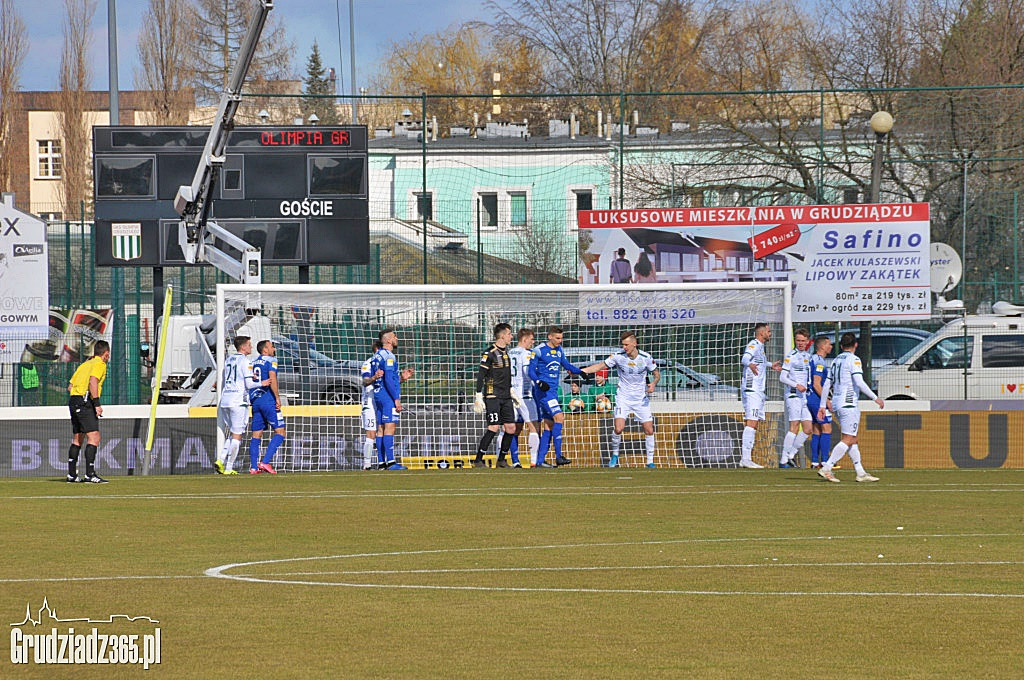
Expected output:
(533, 574)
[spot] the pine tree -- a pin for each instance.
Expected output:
(317, 83)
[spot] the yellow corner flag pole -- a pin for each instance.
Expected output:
(164, 323)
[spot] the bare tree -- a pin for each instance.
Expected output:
(218, 29)
(74, 86)
(13, 48)
(548, 249)
(163, 74)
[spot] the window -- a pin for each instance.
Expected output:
(49, 158)
(1002, 351)
(691, 262)
(670, 261)
(489, 210)
(949, 353)
(517, 207)
(424, 205)
(851, 195)
(584, 200)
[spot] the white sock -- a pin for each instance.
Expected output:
(798, 444)
(616, 443)
(534, 444)
(855, 457)
(649, 443)
(233, 453)
(787, 444)
(222, 455)
(837, 453)
(748, 442)
(369, 450)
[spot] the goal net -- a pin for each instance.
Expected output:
(695, 332)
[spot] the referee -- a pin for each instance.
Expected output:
(86, 386)
(500, 402)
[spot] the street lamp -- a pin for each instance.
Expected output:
(881, 124)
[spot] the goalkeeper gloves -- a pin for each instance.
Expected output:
(478, 403)
(543, 386)
(517, 400)
(588, 378)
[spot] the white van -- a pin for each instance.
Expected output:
(975, 357)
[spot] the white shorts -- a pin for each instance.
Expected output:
(527, 413)
(234, 419)
(753, 405)
(796, 408)
(368, 416)
(848, 419)
(642, 412)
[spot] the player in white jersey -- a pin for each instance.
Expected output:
(233, 409)
(753, 389)
(846, 378)
(526, 413)
(368, 414)
(632, 393)
(795, 375)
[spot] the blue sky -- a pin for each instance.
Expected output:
(377, 24)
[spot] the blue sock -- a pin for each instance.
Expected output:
(513, 450)
(824, 447)
(545, 441)
(275, 444)
(380, 449)
(556, 436)
(254, 453)
(389, 448)
(814, 447)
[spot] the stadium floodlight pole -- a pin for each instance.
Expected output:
(193, 202)
(881, 125)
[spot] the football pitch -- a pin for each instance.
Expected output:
(529, 573)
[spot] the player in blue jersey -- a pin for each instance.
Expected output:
(266, 409)
(545, 372)
(387, 395)
(822, 437)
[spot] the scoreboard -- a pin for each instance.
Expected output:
(299, 194)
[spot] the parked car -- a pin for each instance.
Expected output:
(888, 343)
(678, 381)
(327, 381)
(975, 357)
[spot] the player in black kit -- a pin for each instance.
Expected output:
(494, 395)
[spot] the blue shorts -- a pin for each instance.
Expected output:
(264, 414)
(547, 404)
(385, 409)
(813, 405)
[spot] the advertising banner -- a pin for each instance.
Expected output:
(845, 262)
(24, 278)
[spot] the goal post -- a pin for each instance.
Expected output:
(696, 332)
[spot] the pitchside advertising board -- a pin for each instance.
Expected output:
(297, 193)
(845, 262)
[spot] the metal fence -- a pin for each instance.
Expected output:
(463, 193)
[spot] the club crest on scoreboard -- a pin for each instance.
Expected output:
(126, 240)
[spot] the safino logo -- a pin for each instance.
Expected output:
(28, 249)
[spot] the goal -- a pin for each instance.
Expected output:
(695, 332)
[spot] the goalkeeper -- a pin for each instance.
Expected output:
(494, 395)
(545, 371)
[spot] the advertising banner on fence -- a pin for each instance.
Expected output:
(845, 262)
(24, 277)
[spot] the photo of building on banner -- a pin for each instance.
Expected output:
(845, 262)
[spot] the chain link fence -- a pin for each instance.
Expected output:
(485, 189)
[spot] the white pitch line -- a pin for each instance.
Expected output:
(633, 567)
(501, 493)
(62, 579)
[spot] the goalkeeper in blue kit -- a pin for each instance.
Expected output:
(545, 372)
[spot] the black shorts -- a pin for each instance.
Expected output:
(83, 415)
(500, 411)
